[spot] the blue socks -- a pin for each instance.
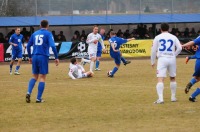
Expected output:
(11, 68)
(114, 71)
(17, 68)
(31, 85)
(97, 64)
(197, 92)
(41, 86)
(123, 59)
(193, 81)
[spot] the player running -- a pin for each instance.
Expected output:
(196, 75)
(115, 43)
(93, 39)
(164, 46)
(41, 41)
(76, 71)
(16, 40)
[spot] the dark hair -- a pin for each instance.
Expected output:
(164, 27)
(44, 23)
(112, 33)
(73, 60)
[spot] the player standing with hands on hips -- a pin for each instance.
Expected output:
(196, 75)
(16, 40)
(115, 43)
(164, 45)
(93, 39)
(41, 41)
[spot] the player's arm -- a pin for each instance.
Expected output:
(130, 39)
(52, 44)
(178, 47)
(90, 39)
(113, 44)
(11, 41)
(190, 43)
(153, 52)
(71, 73)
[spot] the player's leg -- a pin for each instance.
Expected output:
(124, 60)
(84, 61)
(11, 65)
(87, 74)
(31, 85)
(192, 98)
(13, 57)
(41, 87)
(98, 60)
(172, 74)
(18, 66)
(19, 56)
(117, 60)
(32, 81)
(43, 71)
(189, 57)
(161, 74)
(196, 76)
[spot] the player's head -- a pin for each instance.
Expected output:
(44, 24)
(17, 30)
(95, 29)
(102, 31)
(73, 60)
(164, 27)
(112, 33)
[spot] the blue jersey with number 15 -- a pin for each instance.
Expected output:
(41, 40)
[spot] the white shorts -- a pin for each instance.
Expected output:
(166, 64)
(92, 52)
(81, 74)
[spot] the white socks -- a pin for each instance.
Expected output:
(91, 66)
(173, 90)
(160, 88)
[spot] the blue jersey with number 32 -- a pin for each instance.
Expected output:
(41, 40)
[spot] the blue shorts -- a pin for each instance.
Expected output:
(197, 68)
(116, 57)
(40, 64)
(16, 54)
(99, 53)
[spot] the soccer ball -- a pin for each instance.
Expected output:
(109, 72)
(81, 46)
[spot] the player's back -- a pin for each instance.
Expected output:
(117, 41)
(166, 44)
(41, 40)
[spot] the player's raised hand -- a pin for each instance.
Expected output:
(30, 60)
(57, 62)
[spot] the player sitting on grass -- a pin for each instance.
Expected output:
(76, 71)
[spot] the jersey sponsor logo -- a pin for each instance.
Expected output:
(19, 40)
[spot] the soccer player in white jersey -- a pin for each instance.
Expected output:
(93, 39)
(76, 71)
(167, 47)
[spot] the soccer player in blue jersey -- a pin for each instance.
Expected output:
(16, 40)
(41, 41)
(196, 75)
(115, 43)
(99, 49)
